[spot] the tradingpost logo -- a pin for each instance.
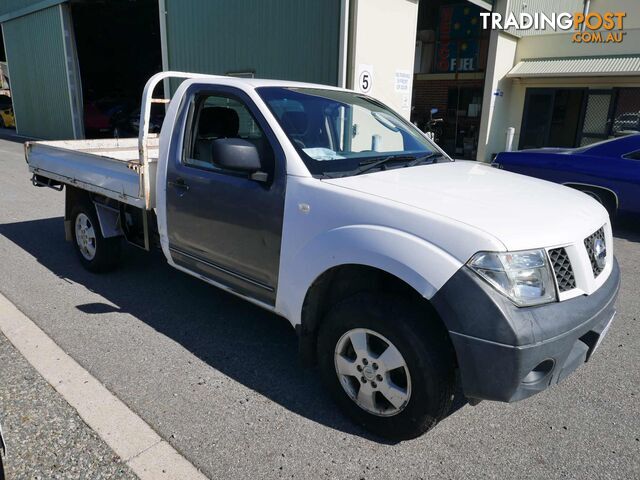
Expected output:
(593, 27)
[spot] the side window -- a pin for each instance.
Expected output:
(220, 116)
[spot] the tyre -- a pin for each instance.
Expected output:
(388, 364)
(97, 254)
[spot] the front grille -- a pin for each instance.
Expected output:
(562, 269)
(589, 244)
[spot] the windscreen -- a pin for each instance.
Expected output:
(337, 131)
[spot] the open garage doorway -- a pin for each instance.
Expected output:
(118, 45)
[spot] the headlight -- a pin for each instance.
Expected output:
(524, 277)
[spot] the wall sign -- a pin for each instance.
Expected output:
(364, 81)
(402, 81)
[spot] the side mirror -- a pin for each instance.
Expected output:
(434, 111)
(239, 155)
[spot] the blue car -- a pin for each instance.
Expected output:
(609, 171)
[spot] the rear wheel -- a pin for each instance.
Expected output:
(97, 254)
(387, 364)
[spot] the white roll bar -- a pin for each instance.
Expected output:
(143, 133)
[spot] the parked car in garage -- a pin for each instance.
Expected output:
(96, 120)
(126, 122)
(7, 118)
(608, 171)
(99, 115)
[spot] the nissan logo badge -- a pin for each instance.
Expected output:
(600, 252)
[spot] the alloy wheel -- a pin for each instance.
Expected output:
(85, 236)
(372, 372)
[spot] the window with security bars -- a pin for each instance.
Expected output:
(626, 117)
(610, 113)
(595, 126)
(577, 117)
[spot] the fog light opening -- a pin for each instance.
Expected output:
(539, 372)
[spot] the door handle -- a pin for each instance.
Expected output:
(179, 183)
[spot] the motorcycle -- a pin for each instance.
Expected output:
(433, 127)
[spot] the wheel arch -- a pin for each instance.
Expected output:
(106, 210)
(356, 251)
(421, 264)
(341, 282)
(606, 192)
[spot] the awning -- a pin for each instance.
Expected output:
(600, 66)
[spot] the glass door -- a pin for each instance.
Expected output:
(597, 116)
(552, 117)
(536, 119)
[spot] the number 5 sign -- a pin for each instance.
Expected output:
(364, 80)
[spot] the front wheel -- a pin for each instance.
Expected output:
(96, 253)
(388, 364)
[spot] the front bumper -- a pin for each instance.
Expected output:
(507, 353)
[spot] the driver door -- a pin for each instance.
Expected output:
(222, 224)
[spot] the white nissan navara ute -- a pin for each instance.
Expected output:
(402, 270)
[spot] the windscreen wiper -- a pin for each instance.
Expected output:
(366, 166)
(433, 156)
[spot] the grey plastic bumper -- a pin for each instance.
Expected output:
(506, 353)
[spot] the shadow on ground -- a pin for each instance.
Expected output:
(627, 228)
(10, 135)
(246, 343)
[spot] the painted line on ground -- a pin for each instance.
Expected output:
(128, 435)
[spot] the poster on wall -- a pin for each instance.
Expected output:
(402, 81)
(457, 44)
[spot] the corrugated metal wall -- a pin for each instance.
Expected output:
(285, 39)
(39, 85)
(542, 6)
